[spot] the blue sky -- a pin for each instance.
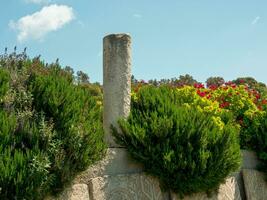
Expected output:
(170, 38)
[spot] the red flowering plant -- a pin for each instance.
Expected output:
(246, 104)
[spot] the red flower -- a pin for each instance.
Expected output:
(228, 83)
(209, 96)
(224, 104)
(202, 94)
(213, 87)
(198, 85)
(233, 85)
(257, 96)
(264, 101)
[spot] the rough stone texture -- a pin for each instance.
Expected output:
(255, 185)
(239, 179)
(117, 161)
(116, 82)
(75, 192)
(126, 187)
(227, 191)
(250, 160)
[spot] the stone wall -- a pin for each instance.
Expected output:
(126, 181)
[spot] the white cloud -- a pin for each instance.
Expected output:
(37, 25)
(255, 21)
(37, 1)
(136, 15)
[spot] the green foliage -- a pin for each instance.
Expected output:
(186, 80)
(50, 128)
(259, 141)
(187, 149)
(24, 165)
(77, 120)
(4, 83)
(253, 84)
(215, 81)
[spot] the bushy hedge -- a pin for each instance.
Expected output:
(50, 128)
(259, 141)
(77, 120)
(188, 149)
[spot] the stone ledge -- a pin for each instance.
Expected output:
(126, 187)
(117, 161)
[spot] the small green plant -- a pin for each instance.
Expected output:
(187, 149)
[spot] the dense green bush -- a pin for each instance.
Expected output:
(4, 82)
(77, 120)
(259, 141)
(50, 128)
(189, 150)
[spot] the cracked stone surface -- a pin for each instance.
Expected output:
(126, 187)
(255, 185)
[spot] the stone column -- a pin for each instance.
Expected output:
(117, 176)
(117, 81)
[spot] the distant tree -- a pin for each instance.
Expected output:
(82, 77)
(69, 70)
(153, 82)
(164, 81)
(215, 81)
(133, 80)
(252, 83)
(185, 80)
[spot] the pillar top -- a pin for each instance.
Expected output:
(116, 36)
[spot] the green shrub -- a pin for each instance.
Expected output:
(187, 149)
(50, 128)
(259, 141)
(4, 83)
(24, 163)
(77, 121)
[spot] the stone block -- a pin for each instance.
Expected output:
(126, 187)
(255, 185)
(227, 191)
(75, 192)
(117, 161)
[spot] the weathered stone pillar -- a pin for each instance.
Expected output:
(117, 81)
(117, 176)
